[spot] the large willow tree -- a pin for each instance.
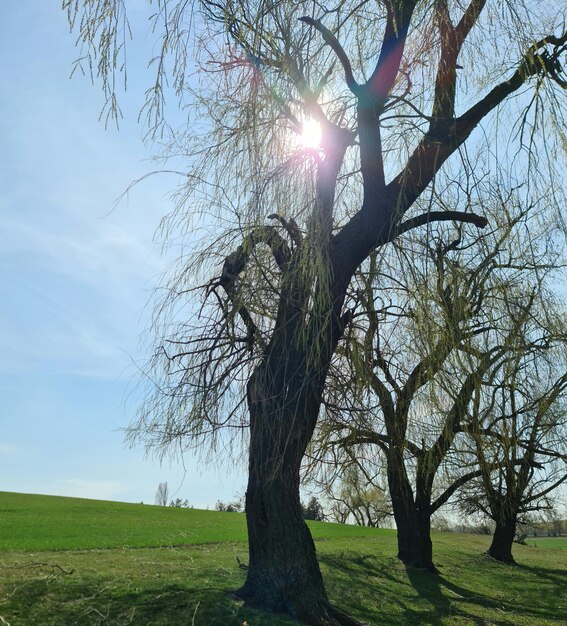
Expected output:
(397, 87)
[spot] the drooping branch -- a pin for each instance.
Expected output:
(464, 479)
(548, 490)
(334, 43)
(423, 373)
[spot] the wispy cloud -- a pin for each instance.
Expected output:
(10, 450)
(96, 489)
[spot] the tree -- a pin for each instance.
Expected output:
(440, 333)
(313, 510)
(306, 218)
(359, 497)
(231, 507)
(519, 430)
(178, 503)
(162, 494)
(451, 315)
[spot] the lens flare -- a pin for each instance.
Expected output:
(310, 134)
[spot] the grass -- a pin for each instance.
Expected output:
(557, 543)
(34, 522)
(145, 583)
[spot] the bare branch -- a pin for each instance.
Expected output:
(332, 41)
(441, 216)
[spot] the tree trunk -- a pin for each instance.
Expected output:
(502, 540)
(412, 521)
(283, 575)
(414, 539)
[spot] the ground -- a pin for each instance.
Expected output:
(47, 578)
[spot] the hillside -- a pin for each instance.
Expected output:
(35, 522)
(67, 561)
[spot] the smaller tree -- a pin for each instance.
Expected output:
(178, 503)
(553, 522)
(236, 506)
(313, 510)
(162, 494)
(441, 524)
(360, 496)
(518, 436)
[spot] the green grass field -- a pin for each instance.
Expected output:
(66, 561)
(32, 522)
(557, 543)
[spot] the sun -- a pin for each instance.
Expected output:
(310, 134)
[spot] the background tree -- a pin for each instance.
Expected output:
(179, 503)
(449, 316)
(381, 80)
(162, 494)
(230, 507)
(313, 510)
(359, 496)
(519, 430)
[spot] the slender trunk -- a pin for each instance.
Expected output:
(502, 540)
(283, 575)
(412, 517)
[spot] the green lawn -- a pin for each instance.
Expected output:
(32, 522)
(557, 543)
(84, 574)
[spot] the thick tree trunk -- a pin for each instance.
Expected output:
(502, 540)
(283, 575)
(414, 538)
(412, 521)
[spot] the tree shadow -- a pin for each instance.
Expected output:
(36, 604)
(372, 588)
(384, 581)
(453, 598)
(433, 588)
(413, 596)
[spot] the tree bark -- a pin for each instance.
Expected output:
(283, 574)
(502, 540)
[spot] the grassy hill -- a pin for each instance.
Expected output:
(33, 522)
(86, 562)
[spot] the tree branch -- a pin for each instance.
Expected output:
(445, 135)
(383, 77)
(333, 42)
(235, 263)
(441, 216)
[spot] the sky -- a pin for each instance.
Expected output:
(76, 272)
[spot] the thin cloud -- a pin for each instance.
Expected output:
(96, 489)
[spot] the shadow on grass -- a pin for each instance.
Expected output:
(380, 590)
(448, 598)
(37, 604)
(557, 577)
(459, 599)
(375, 589)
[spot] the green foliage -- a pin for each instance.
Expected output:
(188, 584)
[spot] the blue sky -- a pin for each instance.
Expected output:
(76, 275)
